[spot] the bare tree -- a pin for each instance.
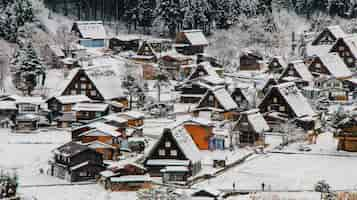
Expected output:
(65, 38)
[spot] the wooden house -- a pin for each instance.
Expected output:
(277, 64)
(251, 61)
(244, 98)
(26, 122)
(97, 83)
(8, 110)
(150, 50)
(251, 127)
(332, 88)
(61, 104)
(201, 130)
(29, 113)
(130, 183)
(329, 65)
(216, 101)
(192, 91)
(206, 193)
(329, 36)
(347, 49)
(90, 33)
(90, 111)
(134, 118)
(124, 43)
(270, 83)
(75, 162)
(297, 72)
(172, 63)
(203, 69)
(190, 42)
(287, 100)
(175, 147)
(346, 134)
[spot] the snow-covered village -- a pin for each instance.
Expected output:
(178, 99)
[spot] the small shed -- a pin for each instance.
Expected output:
(124, 43)
(191, 42)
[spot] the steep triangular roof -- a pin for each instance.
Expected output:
(222, 96)
(335, 31)
(335, 65)
(91, 29)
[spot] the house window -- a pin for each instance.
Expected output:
(83, 79)
(341, 48)
(83, 92)
(162, 152)
(93, 93)
(167, 144)
(201, 74)
(28, 108)
(210, 98)
(73, 92)
(275, 100)
(173, 152)
(347, 53)
(350, 60)
(83, 86)
(89, 86)
(282, 108)
(291, 73)
(269, 108)
(238, 98)
(318, 65)
(76, 85)
(83, 174)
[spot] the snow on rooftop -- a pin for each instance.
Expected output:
(132, 114)
(335, 65)
(257, 121)
(225, 98)
(91, 29)
(67, 99)
(186, 144)
(90, 107)
(131, 178)
(7, 105)
(302, 70)
(195, 37)
(297, 102)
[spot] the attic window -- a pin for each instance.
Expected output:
(83, 78)
(201, 74)
(173, 152)
(282, 108)
(275, 100)
(161, 152)
(291, 72)
(350, 60)
(238, 98)
(318, 65)
(167, 144)
(210, 98)
(341, 48)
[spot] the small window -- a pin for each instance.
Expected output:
(341, 48)
(73, 92)
(76, 85)
(83, 86)
(210, 98)
(291, 73)
(282, 108)
(275, 100)
(167, 144)
(83, 174)
(347, 53)
(201, 74)
(93, 93)
(173, 152)
(350, 60)
(238, 98)
(318, 65)
(89, 86)
(83, 92)
(162, 152)
(83, 79)
(269, 108)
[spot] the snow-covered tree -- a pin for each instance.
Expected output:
(65, 38)
(28, 68)
(8, 185)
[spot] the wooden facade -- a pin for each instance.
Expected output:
(346, 135)
(119, 44)
(345, 47)
(276, 65)
(75, 162)
(251, 61)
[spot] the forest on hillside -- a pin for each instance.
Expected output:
(203, 14)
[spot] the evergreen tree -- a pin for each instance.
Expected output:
(28, 68)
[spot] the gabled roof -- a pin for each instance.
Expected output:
(30, 100)
(192, 120)
(222, 96)
(351, 42)
(132, 114)
(280, 60)
(184, 142)
(195, 37)
(91, 29)
(211, 71)
(301, 69)
(70, 149)
(90, 107)
(335, 65)
(293, 97)
(256, 120)
(68, 99)
(336, 32)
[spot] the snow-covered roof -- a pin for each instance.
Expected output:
(69, 99)
(132, 114)
(223, 97)
(192, 120)
(127, 37)
(335, 65)
(257, 121)
(186, 144)
(175, 169)
(115, 118)
(351, 42)
(302, 70)
(98, 144)
(131, 178)
(7, 105)
(91, 29)
(167, 162)
(70, 149)
(30, 100)
(195, 37)
(297, 102)
(80, 165)
(335, 30)
(317, 50)
(90, 107)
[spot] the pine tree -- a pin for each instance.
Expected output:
(28, 68)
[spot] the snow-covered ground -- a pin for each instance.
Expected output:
(293, 171)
